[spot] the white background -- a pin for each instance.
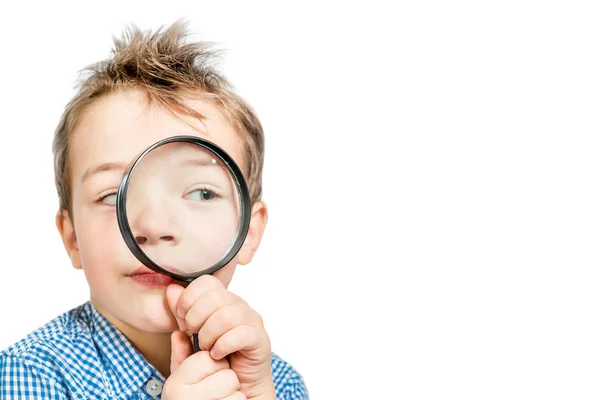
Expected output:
(432, 173)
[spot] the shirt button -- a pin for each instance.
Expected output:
(153, 387)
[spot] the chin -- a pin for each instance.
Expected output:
(155, 316)
(147, 312)
(156, 325)
(143, 313)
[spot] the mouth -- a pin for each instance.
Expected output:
(146, 277)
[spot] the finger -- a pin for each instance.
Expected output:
(206, 305)
(181, 348)
(196, 289)
(236, 396)
(242, 337)
(173, 294)
(197, 367)
(223, 320)
(218, 385)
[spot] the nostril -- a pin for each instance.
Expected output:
(167, 238)
(141, 239)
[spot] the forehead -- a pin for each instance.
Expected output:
(117, 127)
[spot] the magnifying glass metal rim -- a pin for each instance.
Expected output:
(245, 207)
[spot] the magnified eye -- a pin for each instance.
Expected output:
(201, 195)
(110, 199)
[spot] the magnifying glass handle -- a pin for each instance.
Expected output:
(196, 343)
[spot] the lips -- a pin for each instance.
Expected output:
(146, 277)
(145, 270)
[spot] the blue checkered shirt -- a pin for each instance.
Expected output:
(80, 355)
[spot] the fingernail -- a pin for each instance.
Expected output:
(180, 313)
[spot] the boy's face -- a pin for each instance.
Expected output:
(111, 133)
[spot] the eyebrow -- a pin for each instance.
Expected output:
(105, 167)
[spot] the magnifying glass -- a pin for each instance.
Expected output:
(183, 208)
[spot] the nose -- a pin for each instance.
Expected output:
(154, 225)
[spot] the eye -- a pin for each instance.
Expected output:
(201, 195)
(109, 199)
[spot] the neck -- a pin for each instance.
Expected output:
(155, 347)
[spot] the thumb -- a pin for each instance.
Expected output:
(181, 348)
(173, 294)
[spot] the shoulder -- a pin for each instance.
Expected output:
(49, 356)
(60, 330)
(289, 384)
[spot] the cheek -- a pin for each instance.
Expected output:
(101, 246)
(206, 237)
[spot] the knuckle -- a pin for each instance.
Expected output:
(230, 316)
(191, 321)
(186, 302)
(242, 301)
(216, 297)
(235, 299)
(260, 320)
(253, 334)
(244, 334)
(254, 338)
(201, 285)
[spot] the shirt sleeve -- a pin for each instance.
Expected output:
(289, 384)
(18, 380)
(293, 389)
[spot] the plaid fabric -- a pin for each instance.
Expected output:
(80, 355)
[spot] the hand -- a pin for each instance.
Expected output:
(226, 326)
(198, 376)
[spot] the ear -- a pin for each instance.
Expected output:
(67, 233)
(258, 222)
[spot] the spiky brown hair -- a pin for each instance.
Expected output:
(168, 70)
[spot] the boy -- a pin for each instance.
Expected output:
(131, 340)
